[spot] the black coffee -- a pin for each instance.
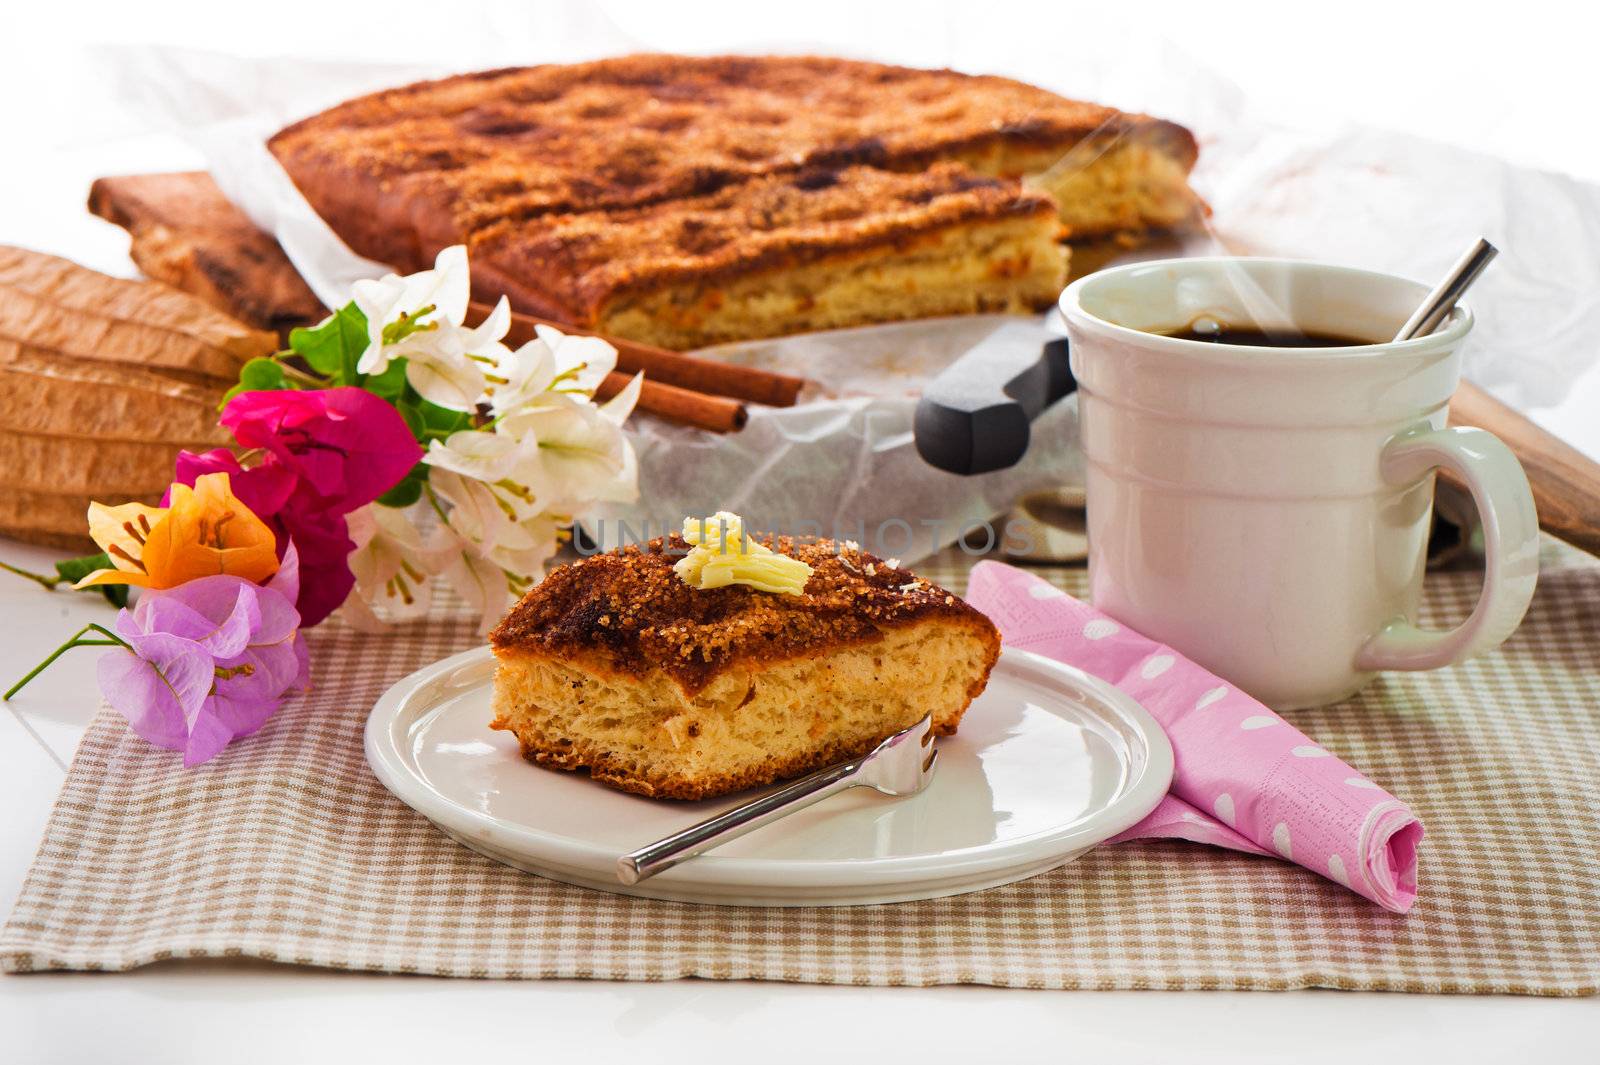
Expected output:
(1212, 332)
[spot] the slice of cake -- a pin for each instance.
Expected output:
(616, 664)
(816, 249)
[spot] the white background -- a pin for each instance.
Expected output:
(1517, 80)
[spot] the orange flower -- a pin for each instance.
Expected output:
(204, 531)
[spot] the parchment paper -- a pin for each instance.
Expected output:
(1359, 196)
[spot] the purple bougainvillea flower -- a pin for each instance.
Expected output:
(327, 452)
(159, 686)
(209, 661)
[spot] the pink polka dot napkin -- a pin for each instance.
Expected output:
(1245, 777)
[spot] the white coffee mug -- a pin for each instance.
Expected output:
(1264, 510)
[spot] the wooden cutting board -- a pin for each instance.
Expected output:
(186, 233)
(1565, 482)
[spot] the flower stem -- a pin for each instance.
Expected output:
(39, 578)
(433, 501)
(291, 370)
(77, 640)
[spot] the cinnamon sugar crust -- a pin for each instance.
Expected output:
(628, 610)
(402, 173)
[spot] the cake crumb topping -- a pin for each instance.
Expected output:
(655, 620)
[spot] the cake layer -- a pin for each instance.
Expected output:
(753, 724)
(816, 249)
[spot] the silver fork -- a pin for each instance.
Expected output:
(900, 765)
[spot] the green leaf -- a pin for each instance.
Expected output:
(440, 421)
(334, 347)
(261, 375)
(388, 384)
(73, 570)
(413, 419)
(408, 491)
(428, 421)
(257, 375)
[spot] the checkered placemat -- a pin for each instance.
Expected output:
(287, 848)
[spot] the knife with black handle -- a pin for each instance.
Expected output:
(974, 416)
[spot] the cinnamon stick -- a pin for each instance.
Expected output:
(670, 367)
(719, 414)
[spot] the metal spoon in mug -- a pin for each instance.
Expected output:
(1442, 300)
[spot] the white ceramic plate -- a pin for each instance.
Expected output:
(1049, 761)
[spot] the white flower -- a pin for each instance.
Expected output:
(478, 511)
(505, 490)
(390, 568)
(480, 582)
(495, 477)
(488, 456)
(624, 486)
(553, 450)
(527, 374)
(485, 580)
(419, 318)
(582, 451)
(446, 289)
(523, 556)
(582, 362)
(551, 363)
(616, 409)
(446, 377)
(483, 340)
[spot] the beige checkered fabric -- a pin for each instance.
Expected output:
(286, 848)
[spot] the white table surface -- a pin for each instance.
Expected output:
(1521, 103)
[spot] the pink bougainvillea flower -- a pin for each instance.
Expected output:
(208, 661)
(327, 452)
(325, 575)
(345, 445)
(319, 534)
(264, 488)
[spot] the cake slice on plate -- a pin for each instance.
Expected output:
(688, 671)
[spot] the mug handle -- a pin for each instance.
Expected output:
(1511, 546)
